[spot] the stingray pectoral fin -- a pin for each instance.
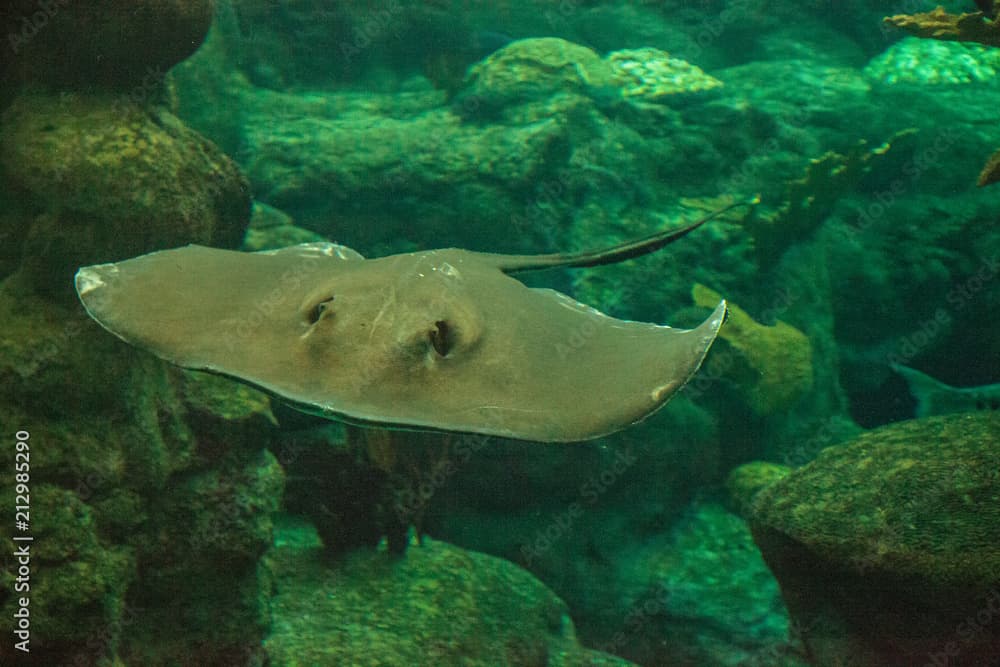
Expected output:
(593, 375)
(205, 308)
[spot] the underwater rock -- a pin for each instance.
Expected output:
(929, 62)
(205, 90)
(122, 437)
(271, 228)
(118, 44)
(441, 605)
(746, 481)
(652, 75)
(222, 412)
(115, 179)
(537, 68)
(702, 596)
(776, 368)
(530, 70)
(886, 546)
(204, 591)
(376, 164)
(77, 581)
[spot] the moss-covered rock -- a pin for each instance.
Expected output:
(533, 69)
(129, 457)
(746, 481)
(224, 413)
(113, 43)
(75, 581)
(440, 605)
(151, 491)
(115, 179)
(205, 593)
(373, 174)
(886, 546)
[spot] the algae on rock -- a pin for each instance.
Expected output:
(127, 453)
(150, 181)
(441, 605)
(777, 359)
(885, 544)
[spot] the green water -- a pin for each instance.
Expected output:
(823, 490)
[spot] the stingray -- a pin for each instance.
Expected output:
(441, 339)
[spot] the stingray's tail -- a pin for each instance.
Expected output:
(614, 254)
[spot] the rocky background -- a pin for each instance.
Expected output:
(515, 127)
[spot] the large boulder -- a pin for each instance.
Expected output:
(110, 178)
(440, 605)
(886, 547)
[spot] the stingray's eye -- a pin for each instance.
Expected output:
(442, 337)
(316, 312)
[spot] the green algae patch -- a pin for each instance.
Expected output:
(776, 368)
